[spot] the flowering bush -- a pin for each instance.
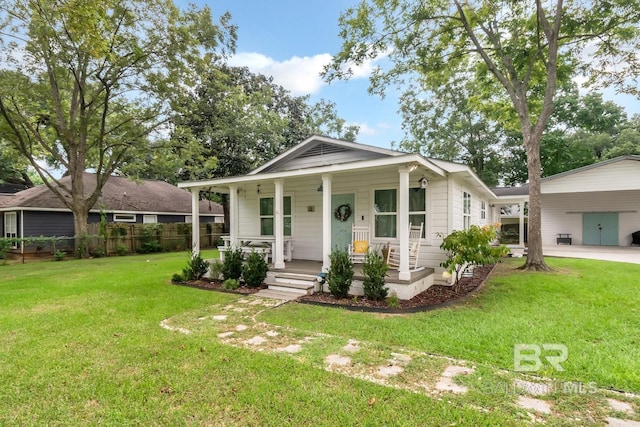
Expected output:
(471, 247)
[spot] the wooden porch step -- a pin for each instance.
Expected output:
(279, 295)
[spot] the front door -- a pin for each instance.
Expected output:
(342, 214)
(600, 229)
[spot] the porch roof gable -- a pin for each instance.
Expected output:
(319, 150)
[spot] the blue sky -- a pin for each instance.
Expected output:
(291, 40)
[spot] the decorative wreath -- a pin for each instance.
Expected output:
(342, 212)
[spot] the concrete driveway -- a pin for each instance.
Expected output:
(606, 253)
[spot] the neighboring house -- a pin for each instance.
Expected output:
(38, 211)
(598, 204)
(293, 200)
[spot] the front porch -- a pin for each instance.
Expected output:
(299, 271)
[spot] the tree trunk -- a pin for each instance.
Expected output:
(81, 229)
(535, 257)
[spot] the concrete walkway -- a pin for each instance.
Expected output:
(629, 254)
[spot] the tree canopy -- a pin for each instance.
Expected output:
(236, 120)
(516, 54)
(85, 82)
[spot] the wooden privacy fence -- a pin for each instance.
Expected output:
(123, 238)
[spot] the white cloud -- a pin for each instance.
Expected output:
(365, 129)
(300, 75)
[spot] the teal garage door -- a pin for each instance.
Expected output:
(600, 228)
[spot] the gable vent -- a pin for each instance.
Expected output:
(323, 149)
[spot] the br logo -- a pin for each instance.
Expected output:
(528, 357)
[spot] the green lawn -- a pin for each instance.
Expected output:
(80, 344)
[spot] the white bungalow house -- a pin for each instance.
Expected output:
(305, 201)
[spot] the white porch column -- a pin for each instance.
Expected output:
(195, 221)
(278, 226)
(521, 225)
(403, 223)
(233, 216)
(326, 222)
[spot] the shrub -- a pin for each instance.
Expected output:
(374, 271)
(196, 268)
(340, 274)
(5, 246)
(255, 270)
(393, 301)
(151, 238)
(215, 270)
(177, 278)
(231, 284)
(96, 252)
(232, 265)
(59, 255)
(471, 247)
(121, 250)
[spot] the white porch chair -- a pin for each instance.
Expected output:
(359, 245)
(415, 239)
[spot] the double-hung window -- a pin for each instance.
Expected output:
(386, 212)
(418, 208)
(11, 227)
(466, 210)
(483, 210)
(267, 216)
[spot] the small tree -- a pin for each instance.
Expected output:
(232, 264)
(255, 270)
(471, 247)
(374, 270)
(340, 274)
(196, 268)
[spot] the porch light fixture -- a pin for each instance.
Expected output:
(258, 189)
(423, 182)
(320, 188)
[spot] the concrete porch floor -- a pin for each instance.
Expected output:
(302, 266)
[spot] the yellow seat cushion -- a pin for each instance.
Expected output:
(360, 246)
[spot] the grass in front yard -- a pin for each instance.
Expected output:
(80, 344)
(592, 307)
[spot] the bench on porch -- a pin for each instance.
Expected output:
(563, 238)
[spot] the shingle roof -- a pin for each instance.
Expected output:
(118, 194)
(523, 190)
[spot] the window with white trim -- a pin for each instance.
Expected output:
(149, 219)
(188, 219)
(11, 227)
(385, 207)
(466, 210)
(267, 216)
(418, 207)
(483, 210)
(124, 218)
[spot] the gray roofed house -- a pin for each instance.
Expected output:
(38, 211)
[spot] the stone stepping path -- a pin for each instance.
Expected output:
(435, 376)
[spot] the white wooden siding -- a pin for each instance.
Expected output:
(307, 226)
(622, 175)
(562, 213)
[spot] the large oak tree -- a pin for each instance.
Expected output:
(516, 51)
(84, 82)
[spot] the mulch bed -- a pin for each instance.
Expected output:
(216, 285)
(435, 296)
